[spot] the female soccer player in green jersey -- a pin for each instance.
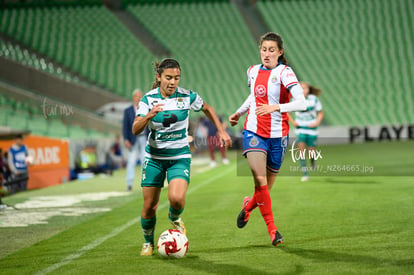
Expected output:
(306, 123)
(165, 110)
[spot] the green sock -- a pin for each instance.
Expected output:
(304, 168)
(313, 164)
(148, 226)
(174, 214)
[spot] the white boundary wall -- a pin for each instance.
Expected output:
(361, 134)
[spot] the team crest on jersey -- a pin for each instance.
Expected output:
(254, 141)
(260, 90)
(180, 103)
(274, 79)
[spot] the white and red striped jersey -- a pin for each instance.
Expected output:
(269, 86)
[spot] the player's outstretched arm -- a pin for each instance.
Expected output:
(234, 118)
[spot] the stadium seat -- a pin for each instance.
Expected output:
(18, 114)
(15, 53)
(38, 125)
(87, 39)
(18, 121)
(215, 48)
(355, 56)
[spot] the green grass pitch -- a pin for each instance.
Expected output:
(337, 223)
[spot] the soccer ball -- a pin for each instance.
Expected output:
(172, 244)
(29, 160)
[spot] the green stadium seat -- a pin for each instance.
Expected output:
(352, 55)
(21, 115)
(213, 50)
(57, 129)
(76, 131)
(15, 53)
(17, 121)
(38, 125)
(83, 38)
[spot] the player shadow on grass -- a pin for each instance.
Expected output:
(233, 248)
(346, 180)
(194, 262)
(331, 256)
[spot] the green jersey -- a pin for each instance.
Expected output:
(305, 118)
(168, 138)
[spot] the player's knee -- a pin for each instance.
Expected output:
(260, 180)
(177, 202)
(148, 213)
(149, 209)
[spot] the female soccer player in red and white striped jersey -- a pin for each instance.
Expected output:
(265, 135)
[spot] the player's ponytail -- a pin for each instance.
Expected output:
(314, 90)
(156, 83)
(167, 63)
(282, 59)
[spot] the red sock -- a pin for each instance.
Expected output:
(252, 204)
(265, 205)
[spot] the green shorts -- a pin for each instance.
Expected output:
(309, 140)
(155, 170)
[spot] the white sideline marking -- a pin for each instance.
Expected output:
(118, 230)
(40, 209)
